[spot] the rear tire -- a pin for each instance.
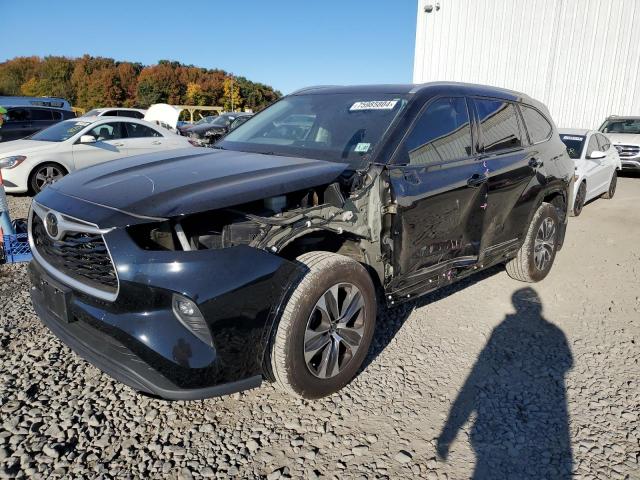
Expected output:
(535, 258)
(312, 351)
(612, 186)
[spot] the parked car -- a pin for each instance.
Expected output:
(211, 269)
(27, 115)
(45, 157)
(624, 132)
(596, 164)
(116, 112)
(209, 130)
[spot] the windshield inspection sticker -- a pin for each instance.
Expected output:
(374, 105)
(362, 147)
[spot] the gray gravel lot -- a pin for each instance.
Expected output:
(492, 377)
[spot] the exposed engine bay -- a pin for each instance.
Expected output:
(348, 211)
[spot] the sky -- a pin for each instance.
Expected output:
(287, 44)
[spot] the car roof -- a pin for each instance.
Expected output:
(412, 88)
(623, 117)
(104, 109)
(575, 131)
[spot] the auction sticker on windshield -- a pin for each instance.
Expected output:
(374, 105)
(362, 147)
(568, 137)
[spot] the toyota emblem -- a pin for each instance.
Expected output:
(51, 224)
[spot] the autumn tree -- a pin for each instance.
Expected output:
(90, 82)
(232, 100)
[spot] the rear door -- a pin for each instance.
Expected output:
(17, 124)
(510, 168)
(109, 145)
(41, 118)
(440, 191)
(142, 139)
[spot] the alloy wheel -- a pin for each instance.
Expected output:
(47, 175)
(334, 330)
(545, 243)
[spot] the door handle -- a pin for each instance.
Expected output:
(535, 163)
(476, 180)
(157, 142)
(118, 144)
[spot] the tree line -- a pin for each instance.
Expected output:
(91, 82)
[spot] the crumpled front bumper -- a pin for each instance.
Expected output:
(138, 340)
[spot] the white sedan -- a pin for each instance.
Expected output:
(597, 162)
(30, 164)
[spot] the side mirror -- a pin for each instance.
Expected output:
(87, 139)
(596, 155)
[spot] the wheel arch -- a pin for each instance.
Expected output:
(324, 240)
(39, 164)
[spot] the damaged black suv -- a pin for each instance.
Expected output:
(199, 272)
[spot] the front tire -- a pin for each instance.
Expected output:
(612, 186)
(535, 258)
(581, 196)
(44, 175)
(326, 328)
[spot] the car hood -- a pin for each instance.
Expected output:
(624, 138)
(201, 129)
(191, 180)
(24, 147)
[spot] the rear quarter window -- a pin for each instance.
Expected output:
(538, 126)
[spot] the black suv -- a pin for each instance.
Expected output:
(23, 121)
(193, 273)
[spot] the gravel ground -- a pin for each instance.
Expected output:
(491, 378)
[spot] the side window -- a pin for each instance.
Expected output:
(107, 131)
(442, 133)
(111, 113)
(499, 125)
(18, 115)
(538, 126)
(129, 114)
(41, 114)
(56, 115)
(135, 130)
(592, 146)
(603, 142)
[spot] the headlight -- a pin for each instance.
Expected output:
(10, 162)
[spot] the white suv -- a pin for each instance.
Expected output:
(624, 132)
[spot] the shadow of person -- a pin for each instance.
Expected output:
(516, 390)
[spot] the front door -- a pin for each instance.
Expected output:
(17, 125)
(440, 191)
(109, 145)
(595, 168)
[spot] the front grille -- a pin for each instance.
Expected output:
(628, 150)
(81, 256)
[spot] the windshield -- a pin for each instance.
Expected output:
(59, 132)
(340, 127)
(92, 113)
(215, 120)
(574, 143)
(622, 125)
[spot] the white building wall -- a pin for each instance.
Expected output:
(580, 57)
